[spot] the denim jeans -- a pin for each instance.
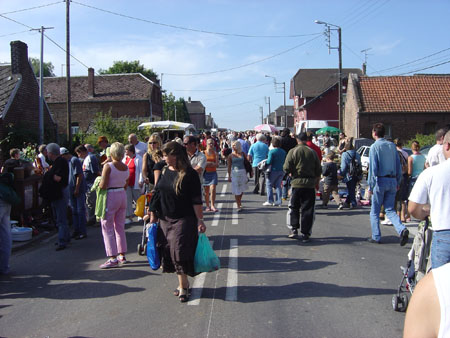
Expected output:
(351, 197)
(440, 248)
(78, 206)
(59, 209)
(5, 236)
(274, 181)
(384, 194)
(286, 186)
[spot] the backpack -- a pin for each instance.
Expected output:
(355, 169)
(403, 162)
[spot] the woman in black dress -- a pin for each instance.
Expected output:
(181, 216)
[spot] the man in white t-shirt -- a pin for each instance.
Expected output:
(139, 147)
(433, 187)
(435, 154)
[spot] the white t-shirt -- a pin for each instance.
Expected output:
(43, 161)
(435, 155)
(441, 276)
(140, 148)
(433, 187)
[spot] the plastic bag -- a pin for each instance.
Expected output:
(140, 206)
(205, 259)
(152, 252)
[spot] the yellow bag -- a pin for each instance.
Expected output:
(140, 206)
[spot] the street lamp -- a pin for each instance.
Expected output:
(339, 48)
(284, 93)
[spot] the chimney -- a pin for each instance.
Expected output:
(189, 99)
(364, 68)
(91, 84)
(154, 79)
(19, 57)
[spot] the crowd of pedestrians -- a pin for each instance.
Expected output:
(183, 174)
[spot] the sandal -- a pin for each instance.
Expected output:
(208, 209)
(184, 295)
(214, 210)
(176, 292)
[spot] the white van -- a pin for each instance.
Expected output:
(310, 125)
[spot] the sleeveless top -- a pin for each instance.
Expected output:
(237, 163)
(210, 158)
(117, 178)
(417, 164)
(132, 170)
(441, 277)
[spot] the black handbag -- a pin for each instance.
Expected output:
(248, 166)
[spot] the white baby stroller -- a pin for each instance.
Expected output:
(419, 264)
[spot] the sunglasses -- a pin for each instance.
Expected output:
(186, 144)
(153, 143)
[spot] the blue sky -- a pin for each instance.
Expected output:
(397, 32)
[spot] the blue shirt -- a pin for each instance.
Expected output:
(244, 145)
(75, 168)
(258, 151)
(383, 161)
(276, 159)
(346, 159)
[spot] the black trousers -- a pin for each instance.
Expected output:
(302, 202)
(260, 181)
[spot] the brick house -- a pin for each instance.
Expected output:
(19, 96)
(276, 117)
(131, 95)
(196, 111)
(406, 105)
(315, 94)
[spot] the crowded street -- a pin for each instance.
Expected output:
(337, 285)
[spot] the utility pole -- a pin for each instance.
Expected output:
(268, 102)
(339, 48)
(41, 85)
(175, 111)
(284, 93)
(69, 99)
(261, 109)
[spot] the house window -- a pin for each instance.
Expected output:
(388, 128)
(75, 128)
(429, 128)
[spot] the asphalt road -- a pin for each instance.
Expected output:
(337, 285)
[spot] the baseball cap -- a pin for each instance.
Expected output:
(63, 151)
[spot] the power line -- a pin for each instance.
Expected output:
(248, 64)
(191, 29)
(356, 20)
(433, 66)
(355, 12)
(2, 36)
(414, 61)
(31, 8)
(56, 44)
(219, 90)
(17, 22)
(235, 105)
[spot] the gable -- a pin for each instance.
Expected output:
(8, 85)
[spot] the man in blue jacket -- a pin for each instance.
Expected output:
(385, 174)
(257, 153)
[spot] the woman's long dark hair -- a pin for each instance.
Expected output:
(183, 163)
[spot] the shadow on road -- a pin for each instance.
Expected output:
(256, 294)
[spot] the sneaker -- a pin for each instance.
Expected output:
(122, 260)
(277, 204)
(371, 240)
(284, 198)
(110, 263)
(81, 237)
(293, 233)
(305, 238)
(404, 237)
(341, 206)
(266, 204)
(127, 220)
(386, 221)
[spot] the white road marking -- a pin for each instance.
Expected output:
(235, 219)
(215, 221)
(224, 190)
(226, 176)
(197, 287)
(232, 279)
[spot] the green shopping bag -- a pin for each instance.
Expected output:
(205, 259)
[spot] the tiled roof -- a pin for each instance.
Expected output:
(313, 82)
(7, 84)
(108, 87)
(195, 107)
(418, 93)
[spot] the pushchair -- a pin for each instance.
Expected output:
(142, 246)
(418, 265)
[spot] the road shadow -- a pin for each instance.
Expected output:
(251, 265)
(256, 294)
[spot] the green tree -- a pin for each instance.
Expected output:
(48, 67)
(169, 104)
(120, 67)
